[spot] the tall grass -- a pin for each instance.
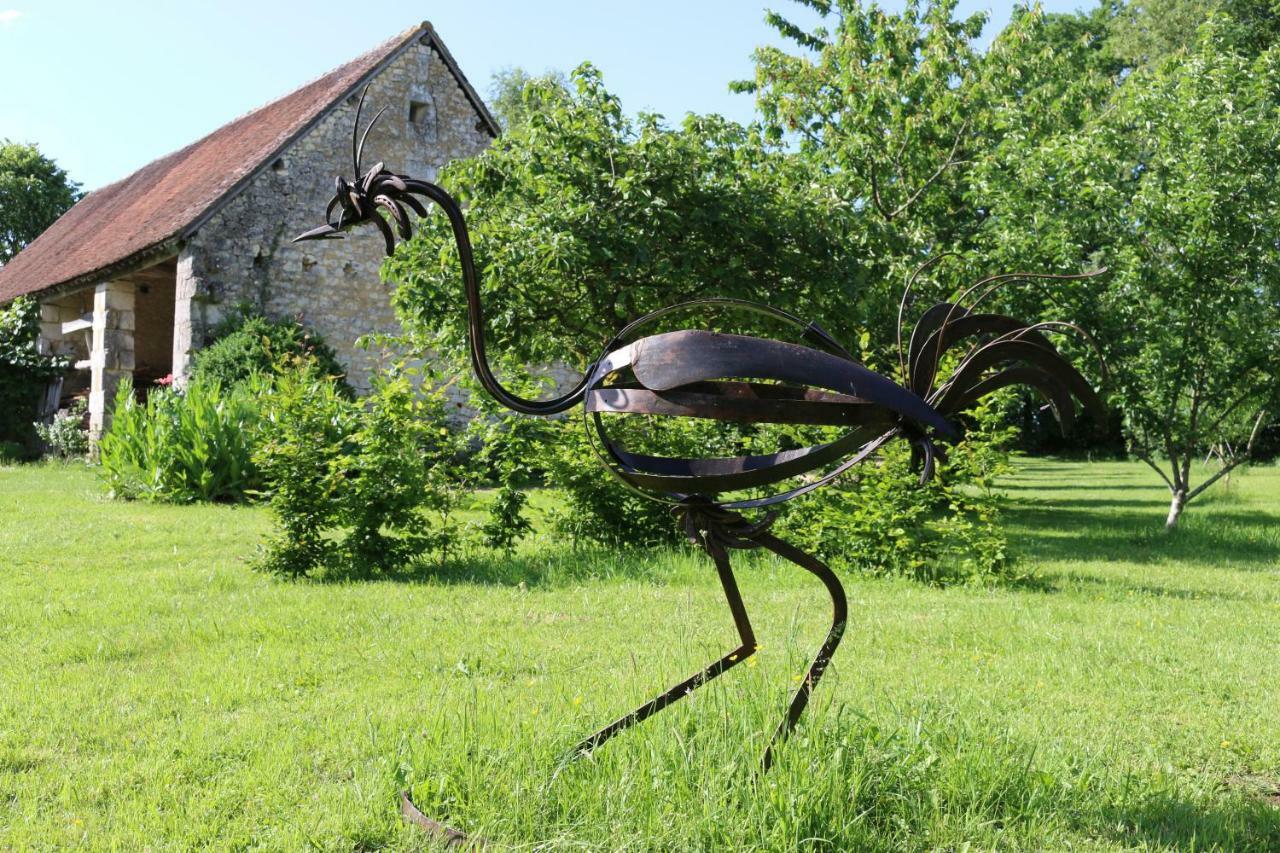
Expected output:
(181, 446)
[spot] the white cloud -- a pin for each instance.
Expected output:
(8, 16)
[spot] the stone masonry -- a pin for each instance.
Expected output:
(111, 359)
(243, 255)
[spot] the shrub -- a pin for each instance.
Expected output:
(506, 523)
(878, 518)
(302, 457)
(599, 507)
(193, 444)
(352, 481)
(66, 438)
(881, 520)
(24, 371)
(511, 450)
(247, 344)
(401, 466)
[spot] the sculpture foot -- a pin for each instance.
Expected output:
(447, 835)
(718, 530)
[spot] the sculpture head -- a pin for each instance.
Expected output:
(364, 198)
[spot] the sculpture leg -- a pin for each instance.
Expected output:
(684, 688)
(839, 618)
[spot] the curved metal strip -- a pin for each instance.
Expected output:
(475, 315)
(737, 402)
(811, 332)
(925, 370)
(930, 321)
(675, 475)
(415, 205)
(863, 452)
(670, 360)
(387, 234)
(970, 373)
(1055, 393)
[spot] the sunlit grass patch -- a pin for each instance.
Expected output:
(156, 693)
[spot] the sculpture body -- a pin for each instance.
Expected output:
(704, 374)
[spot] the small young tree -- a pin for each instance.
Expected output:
(1173, 186)
(33, 193)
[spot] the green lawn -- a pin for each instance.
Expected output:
(154, 692)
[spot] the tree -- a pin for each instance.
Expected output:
(585, 218)
(34, 192)
(1172, 186)
(507, 90)
(24, 370)
(1146, 31)
(1085, 36)
(898, 112)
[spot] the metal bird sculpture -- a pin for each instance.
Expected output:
(695, 373)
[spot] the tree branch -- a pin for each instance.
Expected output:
(1154, 467)
(1236, 461)
(1222, 472)
(947, 164)
(875, 193)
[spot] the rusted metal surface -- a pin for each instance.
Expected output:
(447, 836)
(695, 373)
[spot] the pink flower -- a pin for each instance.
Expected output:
(165, 381)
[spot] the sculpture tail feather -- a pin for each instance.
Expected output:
(1003, 352)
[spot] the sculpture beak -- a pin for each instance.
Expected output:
(324, 232)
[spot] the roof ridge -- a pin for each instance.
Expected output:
(383, 48)
(117, 227)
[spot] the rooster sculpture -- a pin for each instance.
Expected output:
(695, 373)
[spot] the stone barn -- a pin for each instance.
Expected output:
(133, 278)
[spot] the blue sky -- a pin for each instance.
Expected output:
(105, 87)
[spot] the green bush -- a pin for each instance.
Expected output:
(247, 344)
(65, 438)
(510, 449)
(880, 519)
(24, 372)
(353, 484)
(193, 444)
(598, 507)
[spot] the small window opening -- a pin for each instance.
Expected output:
(419, 113)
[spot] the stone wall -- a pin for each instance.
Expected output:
(112, 356)
(64, 333)
(243, 254)
(153, 332)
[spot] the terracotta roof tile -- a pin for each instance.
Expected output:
(148, 211)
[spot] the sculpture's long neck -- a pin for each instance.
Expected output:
(475, 316)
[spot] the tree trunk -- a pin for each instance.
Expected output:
(1175, 508)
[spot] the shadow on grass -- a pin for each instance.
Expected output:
(1166, 821)
(547, 567)
(1151, 511)
(1059, 581)
(1065, 487)
(911, 775)
(1083, 530)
